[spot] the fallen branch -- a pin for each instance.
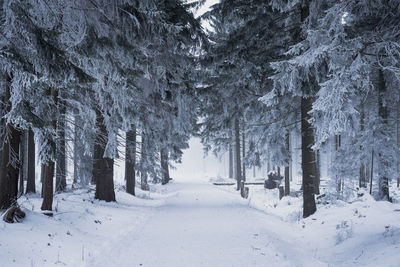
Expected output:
(13, 214)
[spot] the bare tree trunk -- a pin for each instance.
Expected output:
(383, 180)
(362, 181)
(238, 172)
(244, 151)
(398, 139)
(48, 177)
(83, 160)
(287, 178)
(144, 164)
(10, 158)
(77, 149)
(338, 142)
(30, 183)
(103, 167)
(230, 152)
(317, 180)
(372, 173)
(164, 166)
(99, 144)
(130, 160)
(22, 154)
(308, 158)
(61, 170)
(42, 170)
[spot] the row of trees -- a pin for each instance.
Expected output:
(325, 69)
(82, 72)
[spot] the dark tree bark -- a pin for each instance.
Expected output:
(338, 143)
(130, 161)
(10, 165)
(144, 164)
(238, 172)
(308, 159)
(22, 161)
(287, 178)
(103, 167)
(30, 183)
(371, 176)
(61, 170)
(98, 150)
(383, 180)
(398, 139)
(77, 150)
(48, 177)
(42, 170)
(164, 166)
(230, 151)
(362, 179)
(317, 179)
(244, 152)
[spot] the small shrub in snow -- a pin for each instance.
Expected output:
(392, 233)
(344, 231)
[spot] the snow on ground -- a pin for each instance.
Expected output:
(79, 227)
(356, 232)
(194, 223)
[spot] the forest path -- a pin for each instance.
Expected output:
(202, 225)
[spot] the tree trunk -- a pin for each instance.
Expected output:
(238, 171)
(22, 154)
(48, 177)
(103, 167)
(10, 158)
(144, 164)
(30, 183)
(230, 152)
(130, 160)
(83, 160)
(308, 158)
(77, 149)
(398, 139)
(338, 142)
(42, 170)
(244, 151)
(164, 166)
(383, 180)
(317, 179)
(362, 180)
(61, 183)
(99, 144)
(287, 178)
(372, 172)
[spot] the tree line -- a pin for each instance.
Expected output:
(326, 71)
(77, 74)
(85, 71)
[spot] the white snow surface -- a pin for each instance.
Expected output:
(194, 223)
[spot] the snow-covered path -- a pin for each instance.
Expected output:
(202, 225)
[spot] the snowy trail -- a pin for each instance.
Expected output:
(202, 225)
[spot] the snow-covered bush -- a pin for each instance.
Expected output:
(344, 231)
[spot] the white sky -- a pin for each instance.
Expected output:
(206, 7)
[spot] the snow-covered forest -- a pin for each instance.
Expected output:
(299, 98)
